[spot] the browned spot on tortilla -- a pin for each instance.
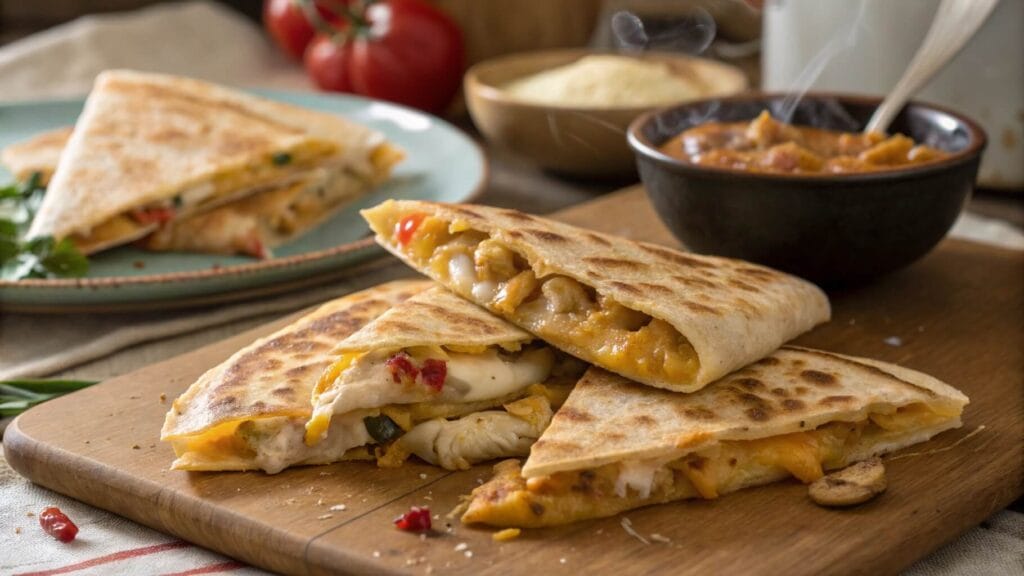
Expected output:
(675, 257)
(594, 275)
(657, 288)
(537, 508)
(298, 371)
(614, 263)
(700, 308)
(695, 281)
(598, 239)
(613, 436)
(515, 234)
(283, 392)
(626, 287)
(547, 236)
(644, 420)
(697, 463)
(840, 399)
(699, 413)
(781, 392)
(769, 361)
(517, 215)
(466, 211)
(818, 378)
(259, 406)
(756, 273)
(732, 461)
(568, 413)
(750, 383)
(757, 414)
(792, 404)
(801, 390)
(743, 286)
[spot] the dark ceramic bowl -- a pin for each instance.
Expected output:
(832, 229)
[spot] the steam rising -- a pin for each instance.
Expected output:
(690, 33)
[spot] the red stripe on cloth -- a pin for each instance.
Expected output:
(122, 555)
(209, 569)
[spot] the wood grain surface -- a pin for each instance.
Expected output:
(957, 314)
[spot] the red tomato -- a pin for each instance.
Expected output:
(288, 25)
(405, 51)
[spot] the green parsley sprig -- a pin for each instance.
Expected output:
(41, 257)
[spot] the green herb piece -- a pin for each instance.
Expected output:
(16, 396)
(45, 258)
(382, 429)
(281, 158)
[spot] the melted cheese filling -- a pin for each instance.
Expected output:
(510, 500)
(219, 189)
(556, 308)
(361, 381)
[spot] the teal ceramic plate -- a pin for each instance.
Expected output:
(441, 164)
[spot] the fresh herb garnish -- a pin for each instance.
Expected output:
(41, 257)
(281, 158)
(16, 396)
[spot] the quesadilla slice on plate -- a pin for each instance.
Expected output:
(37, 155)
(652, 314)
(616, 446)
(441, 378)
(250, 412)
(150, 150)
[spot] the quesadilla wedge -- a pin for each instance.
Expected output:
(441, 378)
(654, 315)
(616, 446)
(151, 149)
(37, 155)
(250, 412)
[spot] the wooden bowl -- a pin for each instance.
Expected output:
(579, 141)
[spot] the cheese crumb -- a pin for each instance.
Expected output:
(325, 516)
(376, 553)
(461, 546)
(468, 553)
(561, 560)
(338, 508)
(423, 476)
(506, 535)
(627, 525)
(659, 538)
(894, 341)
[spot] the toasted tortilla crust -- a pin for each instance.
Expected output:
(607, 418)
(433, 317)
(732, 312)
(142, 138)
(37, 154)
(275, 375)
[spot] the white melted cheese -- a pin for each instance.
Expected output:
(279, 445)
(471, 377)
(462, 272)
(638, 475)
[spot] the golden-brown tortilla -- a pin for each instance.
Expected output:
(731, 312)
(143, 139)
(269, 379)
(37, 154)
(757, 425)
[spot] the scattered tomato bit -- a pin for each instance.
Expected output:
(407, 227)
(402, 369)
(58, 525)
(434, 372)
(506, 535)
(417, 519)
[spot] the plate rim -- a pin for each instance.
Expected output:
(247, 267)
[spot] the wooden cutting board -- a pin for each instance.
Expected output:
(958, 314)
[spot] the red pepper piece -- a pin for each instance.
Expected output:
(407, 227)
(415, 520)
(156, 215)
(402, 369)
(56, 524)
(434, 372)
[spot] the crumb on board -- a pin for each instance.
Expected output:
(461, 546)
(561, 560)
(325, 517)
(468, 553)
(659, 538)
(506, 534)
(136, 447)
(894, 341)
(338, 508)
(319, 501)
(17, 530)
(30, 514)
(423, 476)
(376, 553)
(627, 525)
(291, 501)
(163, 398)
